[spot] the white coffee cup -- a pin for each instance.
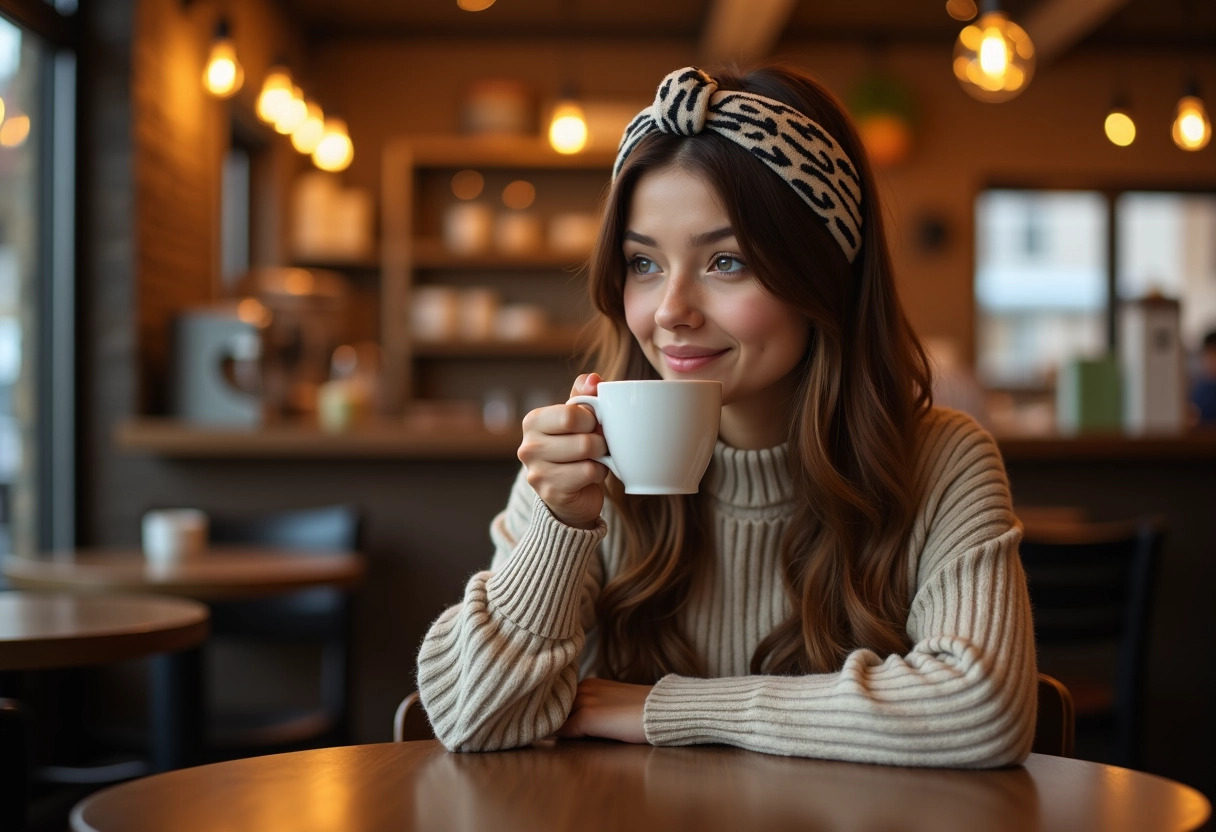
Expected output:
(660, 434)
(172, 535)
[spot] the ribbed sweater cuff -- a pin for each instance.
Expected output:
(682, 710)
(538, 588)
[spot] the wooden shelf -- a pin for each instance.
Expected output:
(429, 439)
(408, 253)
(502, 152)
(1197, 445)
(432, 254)
(460, 437)
(365, 264)
(558, 343)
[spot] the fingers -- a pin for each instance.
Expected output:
(585, 385)
(558, 419)
(561, 444)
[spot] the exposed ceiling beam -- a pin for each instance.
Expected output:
(1055, 26)
(743, 30)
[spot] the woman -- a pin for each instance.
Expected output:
(846, 583)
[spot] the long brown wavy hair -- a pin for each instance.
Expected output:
(864, 385)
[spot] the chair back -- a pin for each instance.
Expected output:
(1091, 583)
(311, 529)
(410, 722)
(321, 616)
(299, 616)
(1055, 730)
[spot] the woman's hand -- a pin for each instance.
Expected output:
(559, 449)
(612, 710)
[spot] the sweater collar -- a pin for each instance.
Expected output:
(749, 479)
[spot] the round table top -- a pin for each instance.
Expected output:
(47, 630)
(220, 573)
(594, 785)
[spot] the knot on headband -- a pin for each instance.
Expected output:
(793, 146)
(682, 102)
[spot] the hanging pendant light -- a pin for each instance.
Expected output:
(1192, 128)
(223, 75)
(308, 135)
(293, 113)
(993, 57)
(1119, 127)
(276, 94)
(335, 151)
(568, 127)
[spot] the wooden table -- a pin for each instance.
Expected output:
(41, 631)
(49, 630)
(592, 785)
(223, 573)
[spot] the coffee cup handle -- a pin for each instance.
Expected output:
(594, 403)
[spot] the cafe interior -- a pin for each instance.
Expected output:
(280, 278)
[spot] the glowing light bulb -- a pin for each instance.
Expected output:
(568, 129)
(335, 151)
(993, 58)
(223, 75)
(1192, 129)
(307, 136)
(275, 96)
(14, 131)
(293, 113)
(1120, 128)
(1, 108)
(994, 53)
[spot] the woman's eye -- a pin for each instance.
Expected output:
(643, 265)
(728, 263)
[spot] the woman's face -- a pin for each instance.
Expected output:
(698, 312)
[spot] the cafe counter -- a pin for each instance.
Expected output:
(437, 439)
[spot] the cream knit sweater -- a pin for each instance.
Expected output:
(500, 669)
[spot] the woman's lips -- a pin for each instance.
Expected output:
(689, 359)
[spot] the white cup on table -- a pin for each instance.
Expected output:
(173, 535)
(660, 434)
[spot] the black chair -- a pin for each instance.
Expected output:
(1091, 586)
(321, 616)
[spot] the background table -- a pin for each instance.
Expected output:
(49, 630)
(592, 785)
(41, 631)
(220, 574)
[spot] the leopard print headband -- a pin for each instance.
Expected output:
(819, 171)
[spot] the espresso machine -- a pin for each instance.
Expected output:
(260, 357)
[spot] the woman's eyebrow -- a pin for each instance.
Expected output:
(696, 241)
(711, 237)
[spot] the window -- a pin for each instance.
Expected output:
(1167, 245)
(1051, 265)
(37, 91)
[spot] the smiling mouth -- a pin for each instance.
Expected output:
(689, 359)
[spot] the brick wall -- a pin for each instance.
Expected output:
(180, 135)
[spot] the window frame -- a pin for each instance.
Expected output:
(57, 196)
(1110, 191)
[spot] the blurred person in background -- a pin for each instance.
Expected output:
(1203, 391)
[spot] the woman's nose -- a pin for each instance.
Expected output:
(680, 305)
